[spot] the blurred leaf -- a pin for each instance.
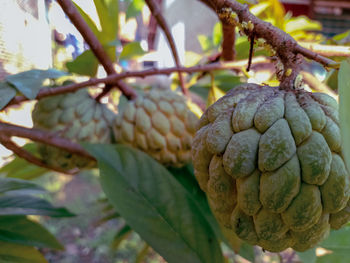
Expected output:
(259, 8)
(108, 11)
(205, 42)
(142, 254)
(29, 205)
(131, 50)
(122, 234)
(217, 33)
(278, 13)
(30, 82)
(20, 230)
(134, 8)
(214, 94)
(302, 23)
(11, 184)
(155, 205)
(332, 79)
(13, 253)
(342, 36)
(7, 93)
(84, 64)
(344, 108)
(309, 256)
(247, 251)
(338, 239)
(21, 169)
(90, 22)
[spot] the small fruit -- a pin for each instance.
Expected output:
(159, 123)
(75, 116)
(271, 164)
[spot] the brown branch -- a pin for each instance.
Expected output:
(43, 137)
(22, 153)
(96, 47)
(251, 51)
(285, 46)
(154, 8)
(228, 43)
(46, 92)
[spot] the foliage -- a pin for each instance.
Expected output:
(165, 206)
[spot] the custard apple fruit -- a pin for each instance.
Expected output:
(75, 116)
(159, 123)
(271, 164)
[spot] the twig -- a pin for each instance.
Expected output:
(152, 5)
(95, 46)
(228, 43)
(46, 92)
(251, 51)
(327, 50)
(285, 46)
(22, 153)
(43, 137)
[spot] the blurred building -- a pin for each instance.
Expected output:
(25, 36)
(333, 14)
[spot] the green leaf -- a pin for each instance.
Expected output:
(134, 8)
(11, 184)
(29, 205)
(20, 230)
(13, 253)
(205, 42)
(338, 239)
(131, 50)
(30, 82)
(108, 11)
(85, 64)
(309, 256)
(90, 22)
(20, 168)
(122, 234)
(344, 107)
(185, 176)
(247, 251)
(258, 9)
(217, 33)
(7, 93)
(302, 23)
(155, 205)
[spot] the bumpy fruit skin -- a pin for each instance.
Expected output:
(159, 123)
(75, 116)
(271, 165)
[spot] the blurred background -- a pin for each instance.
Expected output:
(37, 34)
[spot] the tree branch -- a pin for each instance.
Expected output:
(287, 49)
(46, 92)
(154, 8)
(22, 153)
(43, 137)
(96, 47)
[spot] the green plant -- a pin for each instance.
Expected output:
(165, 205)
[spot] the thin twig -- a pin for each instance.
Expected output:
(251, 51)
(285, 46)
(327, 50)
(46, 92)
(154, 8)
(228, 42)
(24, 154)
(43, 137)
(96, 47)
